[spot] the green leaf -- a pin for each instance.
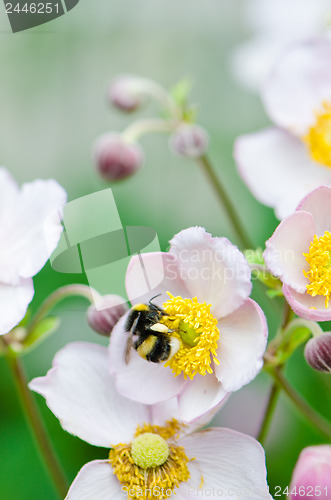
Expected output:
(181, 90)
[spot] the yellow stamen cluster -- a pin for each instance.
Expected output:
(318, 138)
(319, 260)
(171, 429)
(197, 329)
(150, 483)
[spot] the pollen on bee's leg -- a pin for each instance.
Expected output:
(159, 327)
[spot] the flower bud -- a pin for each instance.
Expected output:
(318, 352)
(115, 158)
(189, 140)
(311, 477)
(103, 317)
(127, 93)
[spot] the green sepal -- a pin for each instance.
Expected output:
(274, 293)
(180, 94)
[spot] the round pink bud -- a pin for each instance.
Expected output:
(103, 317)
(189, 140)
(318, 353)
(311, 477)
(127, 93)
(115, 158)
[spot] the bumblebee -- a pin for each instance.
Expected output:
(150, 338)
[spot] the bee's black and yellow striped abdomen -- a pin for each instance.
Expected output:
(151, 339)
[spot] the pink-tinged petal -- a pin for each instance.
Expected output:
(312, 473)
(243, 340)
(152, 274)
(8, 190)
(226, 462)
(14, 301)
(81, 393)
(284, 250)
(306, 306)
(277, 169)
(318, 204)
(96, 481)
(199, 397)
(28, 233)
(299, 84)
(140, 380)
(213, 269)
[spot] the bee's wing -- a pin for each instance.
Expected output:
(129, 342)
(128, 349)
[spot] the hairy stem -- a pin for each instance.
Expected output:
(37, 427)
(226, 202)
(146, 126)
(59, 295)
(268, 414)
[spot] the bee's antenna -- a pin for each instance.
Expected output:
(150, 301)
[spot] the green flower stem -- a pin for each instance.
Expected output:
(226, 202)
(268, 414)
(304, 408)
(145, 126)
(35, 422)
(59, 295)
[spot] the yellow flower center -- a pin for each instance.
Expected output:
(197, 329)
(319, 260)
(318, 138)
(149, 450)
(136, 468)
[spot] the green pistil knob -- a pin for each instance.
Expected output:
(149, 450)
(188, 334)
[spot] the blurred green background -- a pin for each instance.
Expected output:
(53, 103)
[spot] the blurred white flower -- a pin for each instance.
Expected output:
(275, 25)
(26, 241)
(281, 165)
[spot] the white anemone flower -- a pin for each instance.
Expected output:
(26, 242)
(203, 285)
(281, 165)
(152, 455)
